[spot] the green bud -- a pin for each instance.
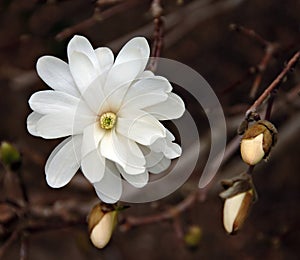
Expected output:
(193, 237)
(9, 155)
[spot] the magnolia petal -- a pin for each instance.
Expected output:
(146, 74)
(135, 49)
(92, 136)
(152, 158)
(169, 149)
(56, 74)
(130, 62)
(55, 125)
(63, 162)
(93, 166)
(32, 120)
(123, 151)
(55, 151)
(109, 189)
(80, 44)
(82, 69)
(105, 58)
(147, 92)
(95, 98)
(49, 101)
(172, 108)
(137, 180)
(139, 126)
(161, 166)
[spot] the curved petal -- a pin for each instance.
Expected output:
(82, 69)
(56, 74)
(152, 158)
(80, 44)
(139, 126)
(95, 98)
(172, 108)
(55, 125)
(49, 101)
(63, 162)
(92, 136)
(123, 151)
(135, 49)
(146, 74)
(130, 62)
(93, 166)
(105, 58)
(31, 122)
(147, 92)
(109, 189)
(161, 166)
(166, 146)
(137, 180)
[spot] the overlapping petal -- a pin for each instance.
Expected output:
(56, 74)
(129, 63)
(123, 151)
(49, 102)
(161, 166)
(31, 122)
(166, 146)
(172, 108)
(67, 153)
(136, 180)
(109, 189)
(92, 136)
(93, 166)
(146, 92)
(139, 126)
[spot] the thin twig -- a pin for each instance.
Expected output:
(250, 33)
(24, 246)
(270, 50)
(292, 62)
(9, 242)
(157, 44)
(95, 18)
(170, 213)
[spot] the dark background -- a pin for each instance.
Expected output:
(202, 40)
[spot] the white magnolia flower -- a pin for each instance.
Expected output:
(110, 111)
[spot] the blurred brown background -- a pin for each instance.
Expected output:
(197, 34)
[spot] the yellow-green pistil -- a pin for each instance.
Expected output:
(108, 120)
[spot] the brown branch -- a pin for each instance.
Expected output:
(270, 50)
(250, 33)
(290, 65)
(13, 237)
(97, 16)
(169, 214)
(157, 44)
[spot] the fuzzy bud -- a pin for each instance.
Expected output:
(257, 142)
(193, 237)
(238, 198)
(102, 221)
(9, 155)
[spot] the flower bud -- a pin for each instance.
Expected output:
(236, 210)
(102, 221)
(257, 142)
(193, 237)
(9, 155)
(239, 196)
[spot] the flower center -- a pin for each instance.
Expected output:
(108, 120)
